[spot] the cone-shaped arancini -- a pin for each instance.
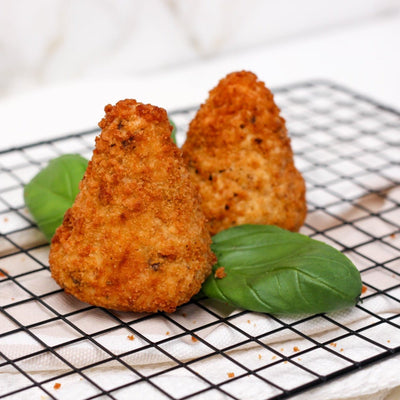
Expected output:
(135, 239)
(239, 154)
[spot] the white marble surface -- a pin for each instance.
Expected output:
(362, 55)
(50, 41)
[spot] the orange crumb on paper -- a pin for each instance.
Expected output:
(248, 321)
(273, 358)
(388, 341)
(341, 349)
(194, 340)
(333, 344)
(131, 337)
(220, 273)
(299, 359)
(2, 274)
(167, 333)
(295, 348)
(5, 219)
(393, 235)
(259, 356)
(230, 374)
(282, 349)
(363, 289)
(57, 386)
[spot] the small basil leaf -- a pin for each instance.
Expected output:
(269, 269)
(173, 133)
(53, 190)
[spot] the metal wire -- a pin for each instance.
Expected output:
(346, 146)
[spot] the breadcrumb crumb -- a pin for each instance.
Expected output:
(57, 386)
(230, 374)
(363, 289)
(220, 273)
(131, 337)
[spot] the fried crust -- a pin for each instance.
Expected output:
(239, 154)
(135, 239)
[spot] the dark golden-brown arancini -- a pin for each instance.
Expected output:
(136, 238)
(240, 156)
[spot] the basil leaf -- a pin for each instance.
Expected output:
(53, 190)
(173, 133)
(269, 269)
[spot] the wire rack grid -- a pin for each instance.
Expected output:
(53, 346)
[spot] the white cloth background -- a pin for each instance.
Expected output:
(51, 41)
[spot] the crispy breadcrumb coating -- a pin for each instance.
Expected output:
(135, 238)
(239, 154)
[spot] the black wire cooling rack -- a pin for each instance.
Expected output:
(53, 346)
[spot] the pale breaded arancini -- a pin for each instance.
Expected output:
(239, 154)
(136, 238)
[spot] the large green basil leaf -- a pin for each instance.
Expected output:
(269, 269)
(53, 190)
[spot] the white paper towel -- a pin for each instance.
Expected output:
(215, 369)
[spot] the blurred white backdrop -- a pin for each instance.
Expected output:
(62, 61)
(44, 42)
